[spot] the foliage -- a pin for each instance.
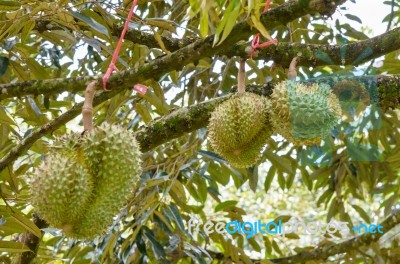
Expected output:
(183, 177)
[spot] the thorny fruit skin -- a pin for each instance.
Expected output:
(304, 114)
(85, 181)
(239, 128)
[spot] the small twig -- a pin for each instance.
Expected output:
(241, 76)
(87, 108)
(292, 73)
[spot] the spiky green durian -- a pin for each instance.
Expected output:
(303, 114)
(85, 181)
(61, 188)
(239, 128)
(118, 170)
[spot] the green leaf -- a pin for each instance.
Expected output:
(281, 180)
(177, 216)
(27, 30)
(26, 223)
(9, 5)
(253, 178)
(9, 175)
(305, 176)
(211, 155)
(224, 205)
(276, 247)
(231, 22)
(157, 247)
(4, 62)
(36, 69)
(270, 176)
(91, 22)
(333, 209)
(162, 23)
(282, 163)
(325, 197)
(362, 213)
(13, 247)
(160, 43)
(5, 119)
(19, 71)
(354, 18)
(292, 236)
(224, 21)
(204, 23)
(260, 27)
(290, 180)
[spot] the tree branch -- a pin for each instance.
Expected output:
(356, 53)
(175, 61)
(282, 53)
(191, 118)
(317, 55)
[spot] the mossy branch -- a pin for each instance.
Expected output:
(191, 118)
(193, 52)
(282, 54)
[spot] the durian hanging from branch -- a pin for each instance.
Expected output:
(86, 179)
(303, 114)
(240, 127)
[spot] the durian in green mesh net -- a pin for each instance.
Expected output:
(239, 128)
(304, 114)
(85, 181)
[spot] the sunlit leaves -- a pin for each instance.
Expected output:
(90, 21)
(227, 22)
(13, 247)
(9, 5)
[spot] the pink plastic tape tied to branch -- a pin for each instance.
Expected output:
(255, 44)
(140, 88)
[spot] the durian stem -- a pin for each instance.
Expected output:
(292, 73)
(87, 108)
(241, 76)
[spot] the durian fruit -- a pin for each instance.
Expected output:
(239, 128)
(85, 181)
(304, 114)
(61, 188)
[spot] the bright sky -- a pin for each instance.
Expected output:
(371, 13)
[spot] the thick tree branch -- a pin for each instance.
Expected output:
(188, 119)
(176, 60)
(191, 118)
(311, 54)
